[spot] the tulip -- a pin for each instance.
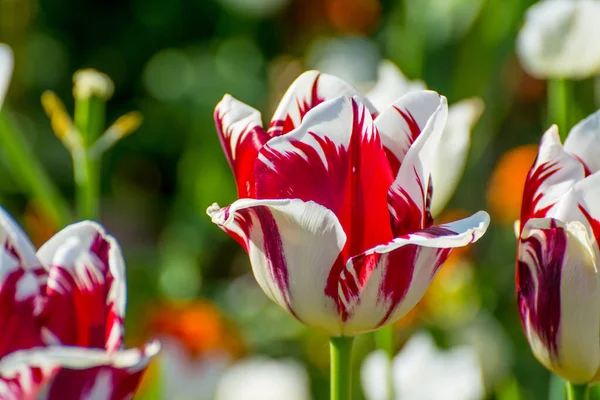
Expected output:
(462, 117)
(334, 207)
(556, 39)
(421, 371)
(62, 310)
(557, 281)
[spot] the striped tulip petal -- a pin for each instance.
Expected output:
(85, 373)
(308, 91)
(584, 143)
(384, 283)
(21, 282)
(553, 174)
(410, 194)
(558, 292)
(293, 248)
(401, 123)
(451, 155)
(86, 287)
(336, 160)
(242, 135)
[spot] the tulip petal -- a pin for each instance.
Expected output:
(409, 197)
(241, 134)
(559, 297)
(84, 372)
(308, 91)
(584, 142)
(386, 282)
(6, 68)
(401, 123)
(335, 159)
(453, 150)
(21, 279)
(116, 376)
(293, 247)
(554, 172)
(391, 85)
(581, 204)
(86, 287)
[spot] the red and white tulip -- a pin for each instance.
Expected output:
(334, 207)
(558, 284)
(62, 310)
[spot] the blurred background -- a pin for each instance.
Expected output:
(188, 282)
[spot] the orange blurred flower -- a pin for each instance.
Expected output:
(354, 16)
(505, 188)
(39, 226)
(199, 325)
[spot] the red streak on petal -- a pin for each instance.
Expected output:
(532, 194)
(281, 127)
(594, 223)
(541, 305)
(247, 145)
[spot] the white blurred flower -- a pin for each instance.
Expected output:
(6, 68)
(265, 379)
(462, 117)
(187, 378)
(421, 371)
(559, 39)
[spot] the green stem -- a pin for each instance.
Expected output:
(29, 172)
(384, 339)
(559, 92)
(89, 120)
(341, 367)
(576, 391)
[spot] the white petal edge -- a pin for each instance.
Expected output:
(391, 85)
(236, 120)
(328, 87)
(311, 240)
(6, 69)
(370, 309)
(414, 175)
(18, 238)
(393, 127)
(584, 142)
(453, 150)
(77, 358)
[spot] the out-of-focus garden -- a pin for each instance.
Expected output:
(189, 284)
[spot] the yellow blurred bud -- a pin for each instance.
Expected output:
(90, 82)
(123, 126)
(127, 124)
(62, 125)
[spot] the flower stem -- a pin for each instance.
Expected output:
(384, 339)
(577, 391)
(89, 120)
(559, 93)
(341, 367)
(30, 173)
